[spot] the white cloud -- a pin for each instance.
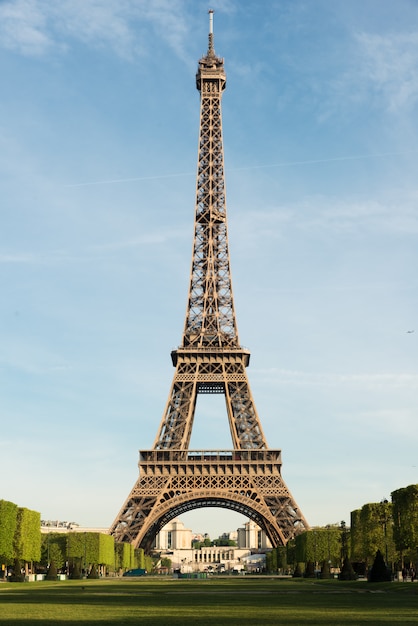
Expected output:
(388, 66)
(34, 27)
(23, 27)
(319, 214)
(327, 379)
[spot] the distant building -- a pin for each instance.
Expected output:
(174, 536)
(175, 542)
(251, 536)
(56, 526)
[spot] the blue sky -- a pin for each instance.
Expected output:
(99, 120)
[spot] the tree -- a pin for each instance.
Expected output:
(75, 570)
(281, 557)
(405, 518)
(310, 570)
(54, 548)
(18, 576)
(140, 558)
(379, 573)
(52, 572)
(27, 539)
(319, 544)
(124, 556)
(325, 571)
(371, 530)
(347, 571)
(298, 571)
(271, 560)
(166, 562)
(93, 573)
(91, 548)
(8, 520)
(356, 536)
(345, 534)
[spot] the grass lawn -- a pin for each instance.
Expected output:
(216, 601)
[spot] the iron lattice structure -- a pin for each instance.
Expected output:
(174, 479)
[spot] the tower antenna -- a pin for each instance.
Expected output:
(211, 48)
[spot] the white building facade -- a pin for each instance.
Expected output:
(175, 542)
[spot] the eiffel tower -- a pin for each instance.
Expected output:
(172, 478)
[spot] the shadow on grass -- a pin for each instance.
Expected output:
(163, 602)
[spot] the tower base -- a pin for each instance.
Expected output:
(173, 482)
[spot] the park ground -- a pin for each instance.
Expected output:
(255, 601)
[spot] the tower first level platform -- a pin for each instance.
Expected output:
(173, 482)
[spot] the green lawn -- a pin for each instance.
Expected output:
(216, 601)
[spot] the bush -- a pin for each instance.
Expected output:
(379, 573)
(347, 571)
(52, 572)
(75, 571)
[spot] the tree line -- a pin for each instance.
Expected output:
(387, 528)
(24, 549)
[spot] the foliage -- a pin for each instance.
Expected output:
(345, 535)
(106, 550)
(356, 536)
(298, 571)
(124, 556)
(8, 520)
(379, 573)
(405, 517)
(148, 563)
(310, 570)
(75, 569)
(17, 576)
(281, 557)
(272, 560)
(52, 572)
(93, 573)
(347, 571)
(206, 543)
(291, 552)
(91, 548)
(54, 548)
(373, 531)
(140, 558)
(319, 544)
(27, 540)
(222, 541)
(325, 571)
(276, 559)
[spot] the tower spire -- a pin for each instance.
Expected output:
(211, 49)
